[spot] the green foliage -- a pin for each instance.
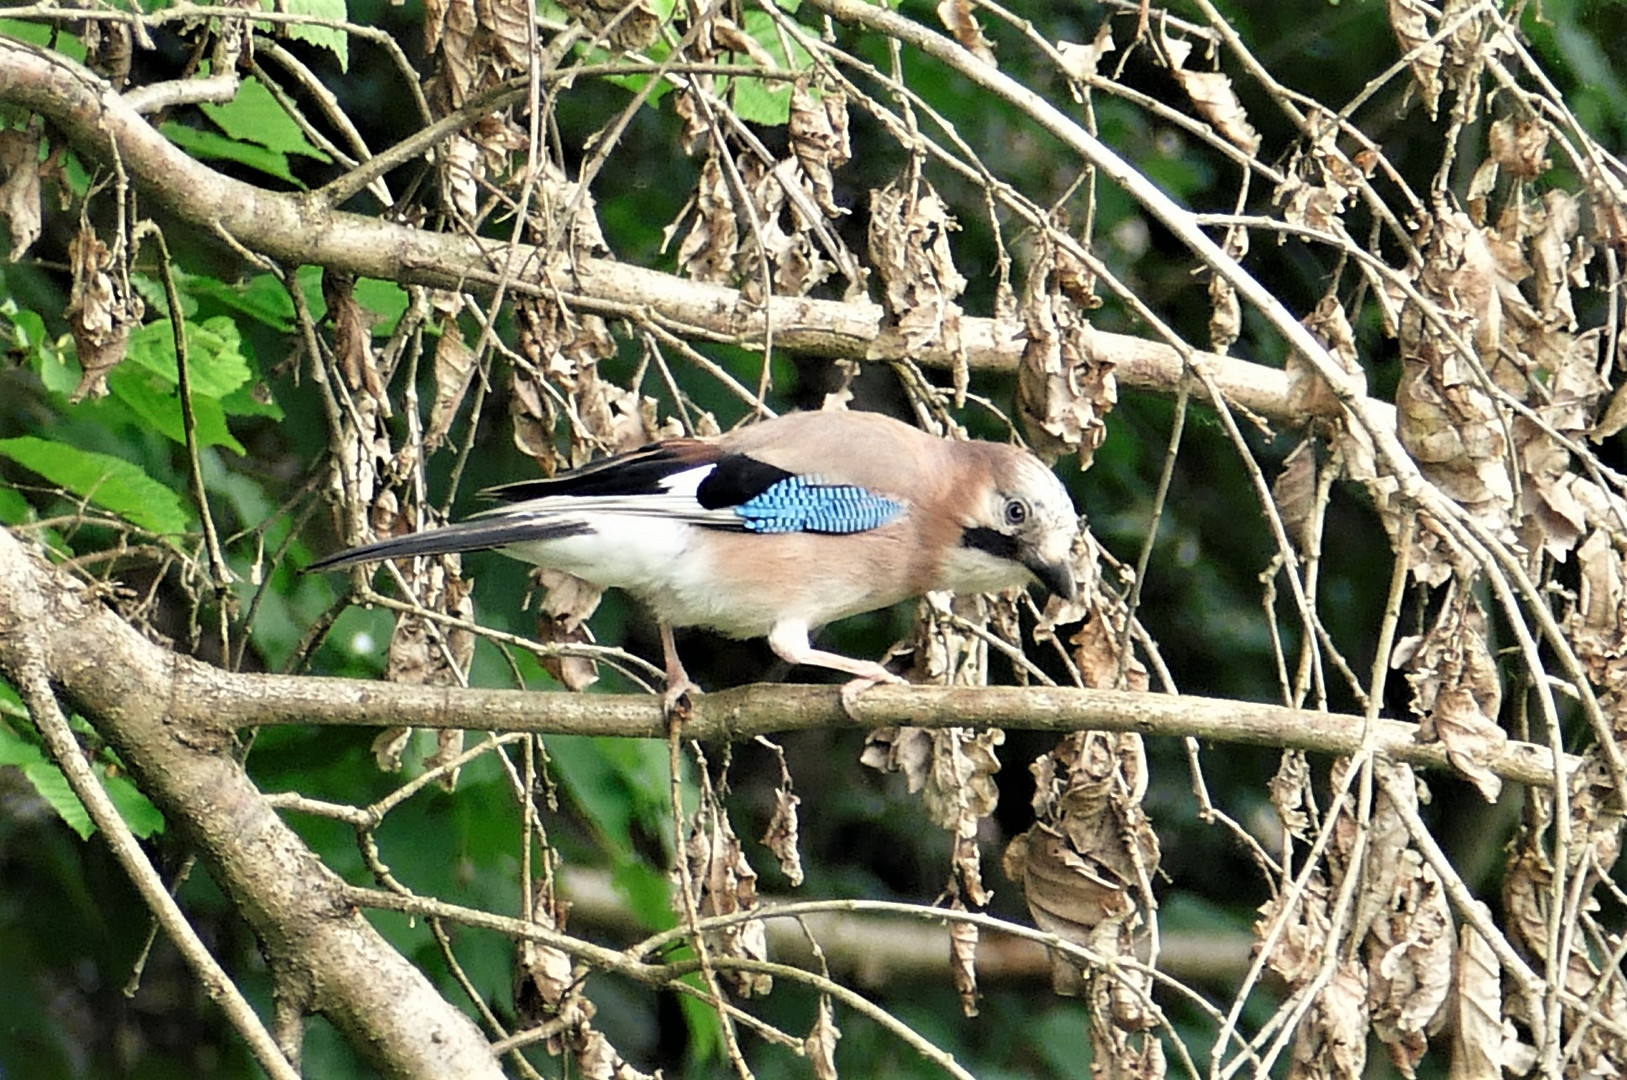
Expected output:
(102, 479)
(19, 750)
(333, 39)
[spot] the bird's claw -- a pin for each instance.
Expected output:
(678, 702)
(854, 687)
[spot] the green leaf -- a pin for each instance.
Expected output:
(254, 116)
(105, 480)
(212, 144)
(135, 808)
(385, 300)
(334, 40)
(53, 788)
(214, 353)
(159, 407)
(263, 299)
(762, 101)
(39, 33)
(16, 750)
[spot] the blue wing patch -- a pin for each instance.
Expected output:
(801, 504)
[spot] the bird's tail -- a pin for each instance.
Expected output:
(477, 534)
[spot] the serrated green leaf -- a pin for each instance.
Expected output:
(135, 808)
(211, 144)
(53, 788)
(16, 750)
(105, 480)
(215, 365)
(254, 116)
(334, 40)
(263, 299)
(159, 407)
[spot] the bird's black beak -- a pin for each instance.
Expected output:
(1056, 577)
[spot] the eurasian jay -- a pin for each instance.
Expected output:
(780, 527)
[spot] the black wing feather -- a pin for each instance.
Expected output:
(477, 534)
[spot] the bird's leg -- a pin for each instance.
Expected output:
(678, 684)
(790, 643)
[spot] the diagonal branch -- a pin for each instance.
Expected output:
(324, 955)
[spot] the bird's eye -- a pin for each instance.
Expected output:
(1016, 512)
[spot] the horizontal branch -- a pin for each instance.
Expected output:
(301, 228)
(207, 695)
(98, 652)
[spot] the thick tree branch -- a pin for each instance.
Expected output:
(105, 666)
(302, 228)
(325, 956)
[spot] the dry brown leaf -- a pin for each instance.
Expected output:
(1561, 222)
(1409, 962)
(707, 252)
(1477, 1010)
(448, 748)
(724, 883)
(1225, 315)
(101, 312)
(781, 835)
(1410, 21)
(909, 247)
(1085, 862)
(960, 20)
(596, 1059)
(20, 191)
(1446, 419)
(1217, 102)
(545, 979)
(1598, 625)
(1291, 794)
(1064, 392)
(1520, 147)
(454, 372)
(1294, 491)
(1308, 392)
(1080, 61)
(109, 49)
(352, 335)
(505, 31)
(568, 602)
(1331, 1043)
(1212, 94)
(818, 128)
(820, 1045)
(627, 25)
(963, 938)
(1301, 945)
(1456, 689)
(1098, 653)
(389, 747)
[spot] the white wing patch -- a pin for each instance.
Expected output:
(677, 502)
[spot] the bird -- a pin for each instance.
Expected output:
(779, 527)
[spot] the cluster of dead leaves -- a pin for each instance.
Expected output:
(1398, 984)
(548, 988)
(1064, 391)
(753, 217)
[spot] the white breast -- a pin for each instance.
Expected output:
(659, 561)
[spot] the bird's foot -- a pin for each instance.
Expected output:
(678, 702)
(854, 687)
